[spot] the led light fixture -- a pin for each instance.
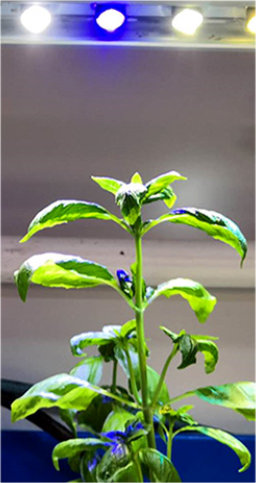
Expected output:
(109, 18)
(251, 20)
(36, 19)
(187, 21)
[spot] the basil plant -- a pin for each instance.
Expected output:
(122, 422)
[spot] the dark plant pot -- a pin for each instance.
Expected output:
(26, 457)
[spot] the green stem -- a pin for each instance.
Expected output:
(162, 376)
(132, 377)
(137, 466)
(147, 411)
(170, 436)
(114, 375)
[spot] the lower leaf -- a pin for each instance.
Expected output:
(159, 464)
(224, 438)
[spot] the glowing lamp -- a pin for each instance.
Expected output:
(109, 19)
(251, 20)
(187, 21)
(36, 19)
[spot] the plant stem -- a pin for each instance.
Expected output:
(137, 466)
(162, 376)
(114, 375)
(169, 444)
(147, 411)
(132, 377)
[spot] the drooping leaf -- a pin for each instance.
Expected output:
(113, 460)
(108, 184)
(117, 419)
(188, 349)
(65, 211)
(214, 224)
(162, 181)
(128, 328)
(159, 464)
(190, 345)
(64, 391)
(129, 198)
(89, 369)
(72, 447)
(167, 195)
(199, 299)
(58, 270)
(227, 439)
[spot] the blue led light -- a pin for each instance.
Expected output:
(109, 18)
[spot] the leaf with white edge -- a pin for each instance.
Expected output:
(86, 339)
(65, 211)
(214, 224)
(73, 447)
(162, 181)
(59, 390)
(136, 178)
(159, 464)
(89, 369)
(58, 270)
(224, 438)
(129, 198)
(108, 184)
(199, 299)
(64, 391)
(117, 420)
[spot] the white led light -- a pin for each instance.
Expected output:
(110, 20)
(251, 25)
(36, 19)
(187, 21)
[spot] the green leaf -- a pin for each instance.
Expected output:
(159, 464)
(189, 345)
(62, 390)
(136, 178)
(128, 328)
(113, 460)
(86, 339)
(64, 211)
(117, 420)
(214, 224)
(238, 396)
(89, 369)
(129, 198)
(108, 184)
(58, 270)
(249, 414)
(199, 299)
(224, 438)
(69, 417)
(153, 379)
(167, 195)
(94, 416)
(188, 349)
(128, 473)
(162, 181)
(72, 447)
(209, 350)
